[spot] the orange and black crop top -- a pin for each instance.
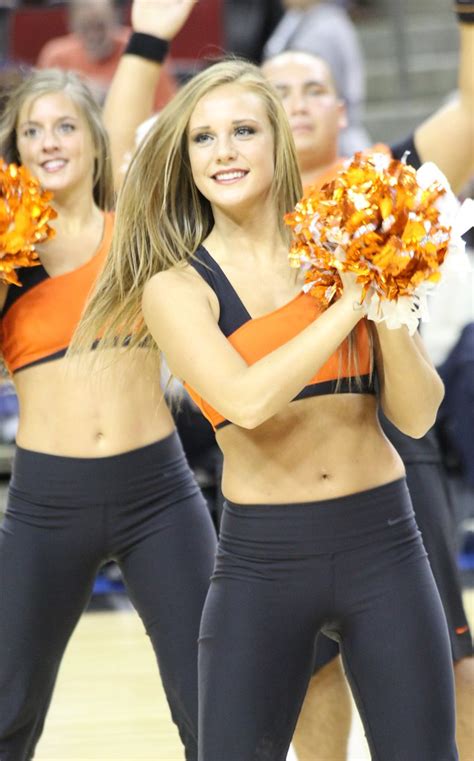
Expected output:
(39, 318)
(254, 338)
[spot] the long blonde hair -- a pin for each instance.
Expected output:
(162, 217)
(47, 81)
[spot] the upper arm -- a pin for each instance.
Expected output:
(179, 315)
(447, 139)
(378, 356)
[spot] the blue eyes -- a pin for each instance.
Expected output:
(65, 128)
(244, 131)
(205, 137)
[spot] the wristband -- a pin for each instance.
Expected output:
(147, 46)
(465, 11)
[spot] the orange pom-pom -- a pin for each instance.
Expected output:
(374, 220)
(25, 213)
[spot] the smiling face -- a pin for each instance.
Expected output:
(55, 143)
(315, 112)
(231, 148)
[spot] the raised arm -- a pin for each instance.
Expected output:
(180, 314)
(131, 95)
(410, 388)
(447, 137)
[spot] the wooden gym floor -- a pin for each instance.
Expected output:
(109, 705)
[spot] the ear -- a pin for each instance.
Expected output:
(342, 120)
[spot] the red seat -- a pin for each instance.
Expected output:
(31, 28)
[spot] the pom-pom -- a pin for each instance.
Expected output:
(24, 216)
(386, 222)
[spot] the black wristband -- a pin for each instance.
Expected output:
(147, 46)
(465, 11)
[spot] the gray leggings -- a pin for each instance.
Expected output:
(65, 518)
(353, 567)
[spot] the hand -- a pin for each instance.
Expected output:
(161, 18)
(352, 290)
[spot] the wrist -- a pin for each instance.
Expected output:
(352, 308)
(465, 11)
(147, 46)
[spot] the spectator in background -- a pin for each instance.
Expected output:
(324, 29)
(94, 47)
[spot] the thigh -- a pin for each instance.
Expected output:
(396, 653)
(255, 659)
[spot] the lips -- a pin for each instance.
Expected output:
(229, 176)
(53, 165)
(301, 127)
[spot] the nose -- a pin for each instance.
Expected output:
(50, 141)
(226, 150)
(297, 103)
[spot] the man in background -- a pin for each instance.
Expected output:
(94, 46)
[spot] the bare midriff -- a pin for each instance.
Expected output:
(74, 408)
(315, 449)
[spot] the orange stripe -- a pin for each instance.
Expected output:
(461, 629)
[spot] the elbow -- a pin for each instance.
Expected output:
(420, 423)
(416, 421)
(248, 415)
(418, 430)
(246, 419)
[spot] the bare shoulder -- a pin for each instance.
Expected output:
(178, 284)
(175, 277)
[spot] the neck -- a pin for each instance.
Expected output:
(258, 234)
(75, 213)
(74, 203)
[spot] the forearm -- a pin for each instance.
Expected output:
(258, 392)
(410, 388)
(129, 103)
(131, 96)
(447, 137)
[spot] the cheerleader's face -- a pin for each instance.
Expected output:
(55, 144)
(231, 148)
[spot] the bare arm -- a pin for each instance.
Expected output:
(410, 388)
(131, 95)
(447, 137)
(178, 311)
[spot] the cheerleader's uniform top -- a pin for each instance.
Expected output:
(39, 318)
(254, 338)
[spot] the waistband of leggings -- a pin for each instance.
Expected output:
(321, 526)
(38, 472)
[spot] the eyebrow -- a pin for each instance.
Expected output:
(60, 119)
(305, 83)
(235, 123)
